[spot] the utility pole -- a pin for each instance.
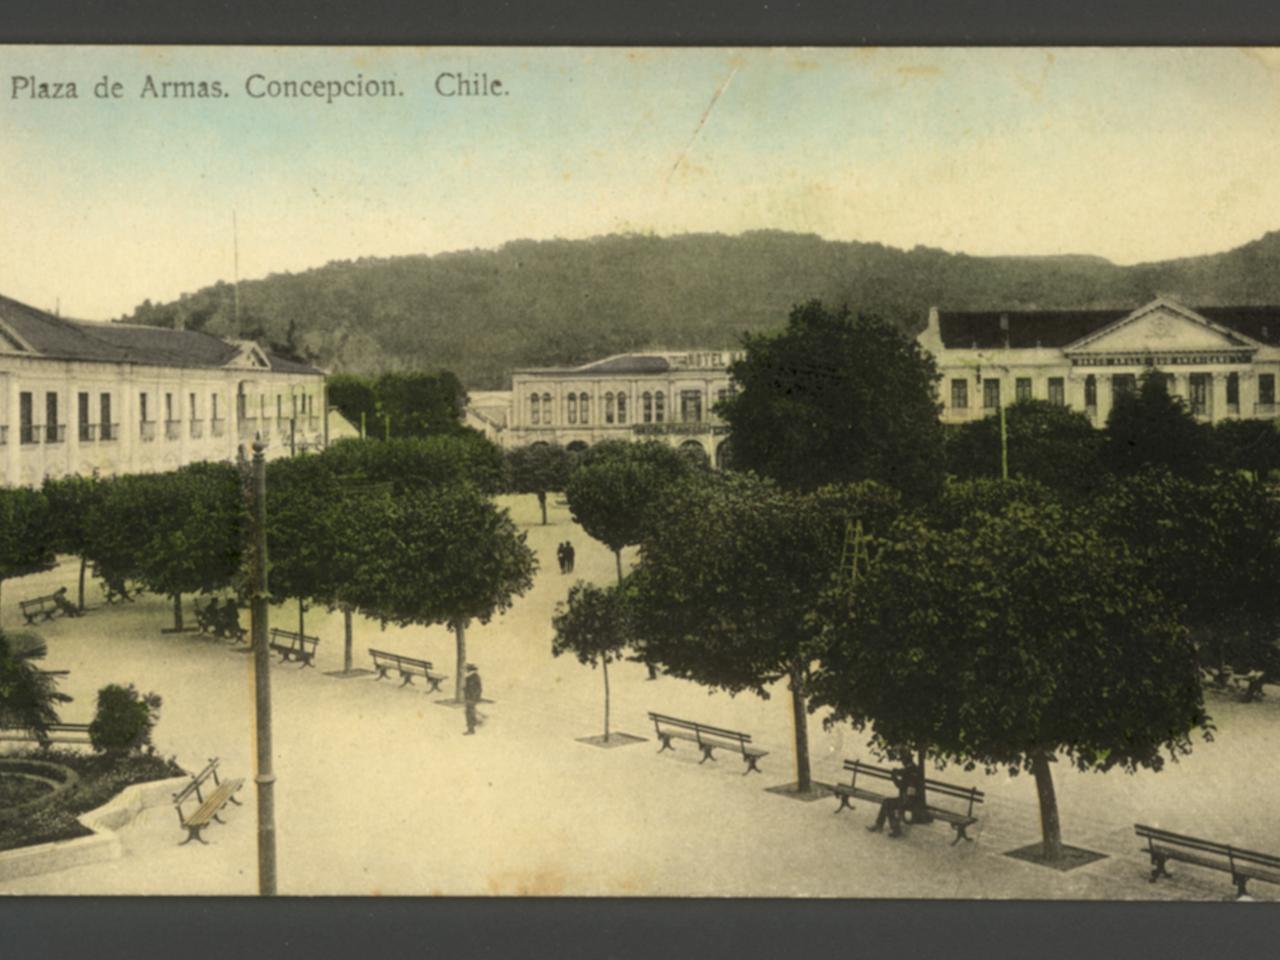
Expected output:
(265, 777)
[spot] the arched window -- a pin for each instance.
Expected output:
(622, 407)
(646, 406)
(571, 407)
(534, 409)
(608, 408)
(660, 407)
(584, 407)
(547, 409)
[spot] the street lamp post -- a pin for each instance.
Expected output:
(265, 777)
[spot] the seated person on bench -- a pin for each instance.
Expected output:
(907, 780)
(229, 619)
(68, 608)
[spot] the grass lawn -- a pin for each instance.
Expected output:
(100, 779)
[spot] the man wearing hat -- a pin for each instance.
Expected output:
(471, 690)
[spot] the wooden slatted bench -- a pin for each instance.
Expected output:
(54, 733)
(1242, 865)
(46, 607)
(708, 738)
(292, 645)
(208, 808)
(959, 822)
(408, 668)
(867, 771)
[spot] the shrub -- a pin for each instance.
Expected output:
(124, 719)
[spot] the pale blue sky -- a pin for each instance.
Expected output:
(1130, 154)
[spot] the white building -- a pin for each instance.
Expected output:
(78, 397)
(650, 395)
(1224, 361)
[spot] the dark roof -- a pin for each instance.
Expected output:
(1058, 328)
(62, 339)
(627, 363)
(1027, 328)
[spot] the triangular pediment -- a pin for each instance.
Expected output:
(1163, 327)
(250, 355)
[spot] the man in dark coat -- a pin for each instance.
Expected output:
(560, 556)
(471, 691)
(568, 557)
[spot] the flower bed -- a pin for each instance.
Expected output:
(99, 779)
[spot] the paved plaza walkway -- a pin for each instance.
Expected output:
(379, 792)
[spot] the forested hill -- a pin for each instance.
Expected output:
(480, 313)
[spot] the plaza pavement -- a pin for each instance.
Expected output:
(378, 792)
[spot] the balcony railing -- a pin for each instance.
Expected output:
(88, 432)
(196, 429)
(1267, 409)
(29, 433)
(248, 427)
(217, 428)
(110, 431)
(313, 424)
(55, 433)
(172, 429)
(147, 430)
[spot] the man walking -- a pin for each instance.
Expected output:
(568, 557)
(471, 690)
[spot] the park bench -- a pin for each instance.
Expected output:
(408, 668)
(46, 606)
(708, 738)
(959, 822)
(54, 733)
(292, 645)
(207, 808)
(1243, 865)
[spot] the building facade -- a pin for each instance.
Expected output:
(659, 395)
(1223, 361)
(78, 397)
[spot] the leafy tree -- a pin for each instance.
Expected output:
(1048, 443)
(1009, 642)
(354, 398)
(448, 556)
(28, 696)
(539, 469)
(70, 499)
(595, 626)
(124, 719)
(1152, 428)
(961, 501)
(837, 398)
(1251, 446)
(614, 487)
(731, 571)
(420, 462)
(26, 533)
(419, 404)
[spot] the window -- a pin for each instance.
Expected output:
(168, 406)
(51, 433)
(959, 394)
(571, 407)
(1233, 392)
(142, 407)
(1267, 389)
(1091, 391)
(213, 406)
(690, 406)
(622, 407)
(1057, 391)
(191, 407)
(279, 406)
(1198, 387)
(85, 428)
(659, 406)
(608, 408)
(104, 416)
(990, 394)
(535, 409)
(26, 414)
(646, 406)
(242, 405)
(547, 409)
(1022, 389)
(584, 408)
(1123, 384)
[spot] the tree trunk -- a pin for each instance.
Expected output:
(460, 633)
(346, 639)
(920, 814)
(604, 663)
(83, 563)
(803, 780)
(542, 502)
(617, 556)
(1050, 828)
(301, 623)
(177, 613)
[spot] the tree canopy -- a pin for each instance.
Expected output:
(1152, 428)
(837, 397)
(539, 468)
(595, 625)
(412, 404)
(27, 536)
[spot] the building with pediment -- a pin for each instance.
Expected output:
(666, 396)
(79, 397)
(1223, 361)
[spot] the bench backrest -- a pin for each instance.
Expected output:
(47, 601)
(1153, 835)
(399, 660)
(293, 636)
(857, 767)
(970, 794)
(197, 782)
(700, 728)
